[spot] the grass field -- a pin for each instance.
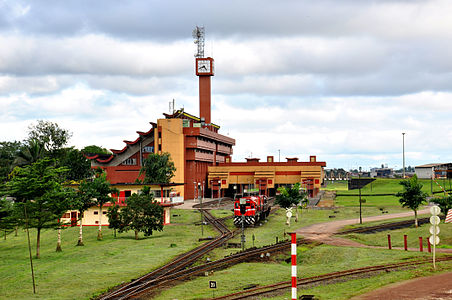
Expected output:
(372, 192)
(81, 272)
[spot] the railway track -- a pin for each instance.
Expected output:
(325, 278)
(185, 260)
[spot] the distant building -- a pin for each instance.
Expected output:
(434, 170)
(381, 173)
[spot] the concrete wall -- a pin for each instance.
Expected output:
(424, 173)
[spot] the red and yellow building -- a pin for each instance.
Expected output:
(239, 177)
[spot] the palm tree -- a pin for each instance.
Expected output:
(29, 154)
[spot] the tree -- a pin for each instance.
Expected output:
(114, 218)
(142, 214)
(288, 197)
(29, 153)
(83, 201)
(412, 195)
(158, 168)
(93, 149)
(100, 190)
(79, 167)
(7, 222)
(39, 195)
(8, 152)
(49, 134)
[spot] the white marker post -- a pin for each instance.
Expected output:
(294, 264)
(434, 230)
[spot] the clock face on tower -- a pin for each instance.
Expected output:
(204, 66)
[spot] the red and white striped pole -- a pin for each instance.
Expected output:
(294, 264)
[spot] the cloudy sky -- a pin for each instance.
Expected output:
(334, 78)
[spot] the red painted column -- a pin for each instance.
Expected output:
(389, 242)
(421, 247)
(429, 246)
(405, 243)
(294, 264)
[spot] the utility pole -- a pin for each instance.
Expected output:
(403, 150)
(360, 204)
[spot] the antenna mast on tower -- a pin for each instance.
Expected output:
(198, 35)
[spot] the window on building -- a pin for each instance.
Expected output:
(130, 162)
(104, 212)
(160, 134)
(160, 147)
(148, 149)
(96, 212)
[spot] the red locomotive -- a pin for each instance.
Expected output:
(253, 208)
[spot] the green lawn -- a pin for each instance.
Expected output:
(372, 192)
(81, 272)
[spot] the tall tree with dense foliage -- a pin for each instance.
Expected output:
(79, 167)
(100, 190)
(158, 168)
(8, 152)
(40, 195)
(412, 195)
(49, 134)
(142, 214)
(93, 149)
(289, 197)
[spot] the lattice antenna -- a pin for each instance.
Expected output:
(198, 35)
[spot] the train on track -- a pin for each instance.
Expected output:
(250, 210)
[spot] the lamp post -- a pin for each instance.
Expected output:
(403, 151)
(279, 155)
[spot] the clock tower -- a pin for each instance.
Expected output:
(204, 70)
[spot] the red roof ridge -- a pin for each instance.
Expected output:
(132, 143)
(105, 160)
(119, 151)
(145, 133)
(92, 157)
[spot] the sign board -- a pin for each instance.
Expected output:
(434, 220)
(212, 284)
(434, 241)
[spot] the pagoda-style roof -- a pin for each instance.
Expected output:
(106, 158)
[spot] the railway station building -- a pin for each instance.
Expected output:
(230, 178)
(202, 157)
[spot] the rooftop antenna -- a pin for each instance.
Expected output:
(198, 35)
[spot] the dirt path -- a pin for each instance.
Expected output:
(425, 288)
